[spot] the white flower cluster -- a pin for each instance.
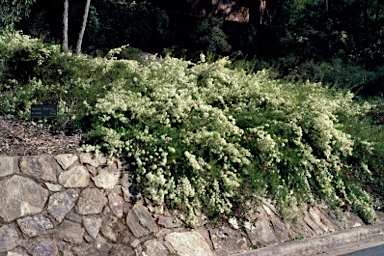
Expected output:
(11, 42)
(196, 130)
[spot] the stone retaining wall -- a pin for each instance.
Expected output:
(78, 205)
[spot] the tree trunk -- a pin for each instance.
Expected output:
(81, 34)
(65, 29)
(262, 12)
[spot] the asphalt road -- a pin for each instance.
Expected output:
(373, 251)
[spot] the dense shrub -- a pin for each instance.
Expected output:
(109, 24)
(336, 73)
(202, 136)
(138, 24)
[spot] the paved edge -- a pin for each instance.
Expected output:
(320, 244)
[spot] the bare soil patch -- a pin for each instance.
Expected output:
(21, 138)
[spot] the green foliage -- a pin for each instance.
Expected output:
(12, 11)
(209, 35)
(371, 127)
(242, 38)
(37, 73)
(203, 136)
(348, 30)
(189, 36)
(335, 73)
(114, 24)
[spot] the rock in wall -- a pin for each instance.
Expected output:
(80, 205)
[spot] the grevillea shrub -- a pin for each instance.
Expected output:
(202, 136)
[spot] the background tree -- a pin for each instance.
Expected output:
(65, 26)
(12, 11)
(263, 11)
(84, 24)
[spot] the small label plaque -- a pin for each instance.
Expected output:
(44, 111)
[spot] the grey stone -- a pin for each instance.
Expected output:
(351, 220)
(227, 241)
(131, 191)
(140, 221)
(135, 243)
(379, 216)
(76, 177)
(21, 197)
(116, 203)
(88, 238)
(122, 250)
(114, 230)
(73, 216)
(130, 197)
(99, 248)
(35, 225)
(300, 228)
(336, 218)
(125, 180)
(88, 158)
(91, 201)
(139, 251)
(71, 232)
(261, 231)
(107, 211)
(312, 224)
(204, 232)
(118, 164)
(233, 223)
(66, 160)
(168, 222)
(111, 168)
(154, 248)
(61, 203)
(53, 187)
(39, 167)
(91, 169)
(328, 222)
(105, 179)
(42, 247)
(280, 229)
(65, 250)
(189, 243)
(8, 166)
(315, 216)
(9, 238)
(155, 209)
(90, 250)
(92, 225)
(16, 254)
(268, 207)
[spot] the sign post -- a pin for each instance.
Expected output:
(44, 111)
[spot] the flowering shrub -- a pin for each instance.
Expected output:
(201, 134)
(196, 131)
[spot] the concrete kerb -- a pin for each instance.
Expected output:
(320, 244)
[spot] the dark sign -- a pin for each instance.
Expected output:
(44, 111)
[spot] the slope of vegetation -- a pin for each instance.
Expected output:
(204, 136)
